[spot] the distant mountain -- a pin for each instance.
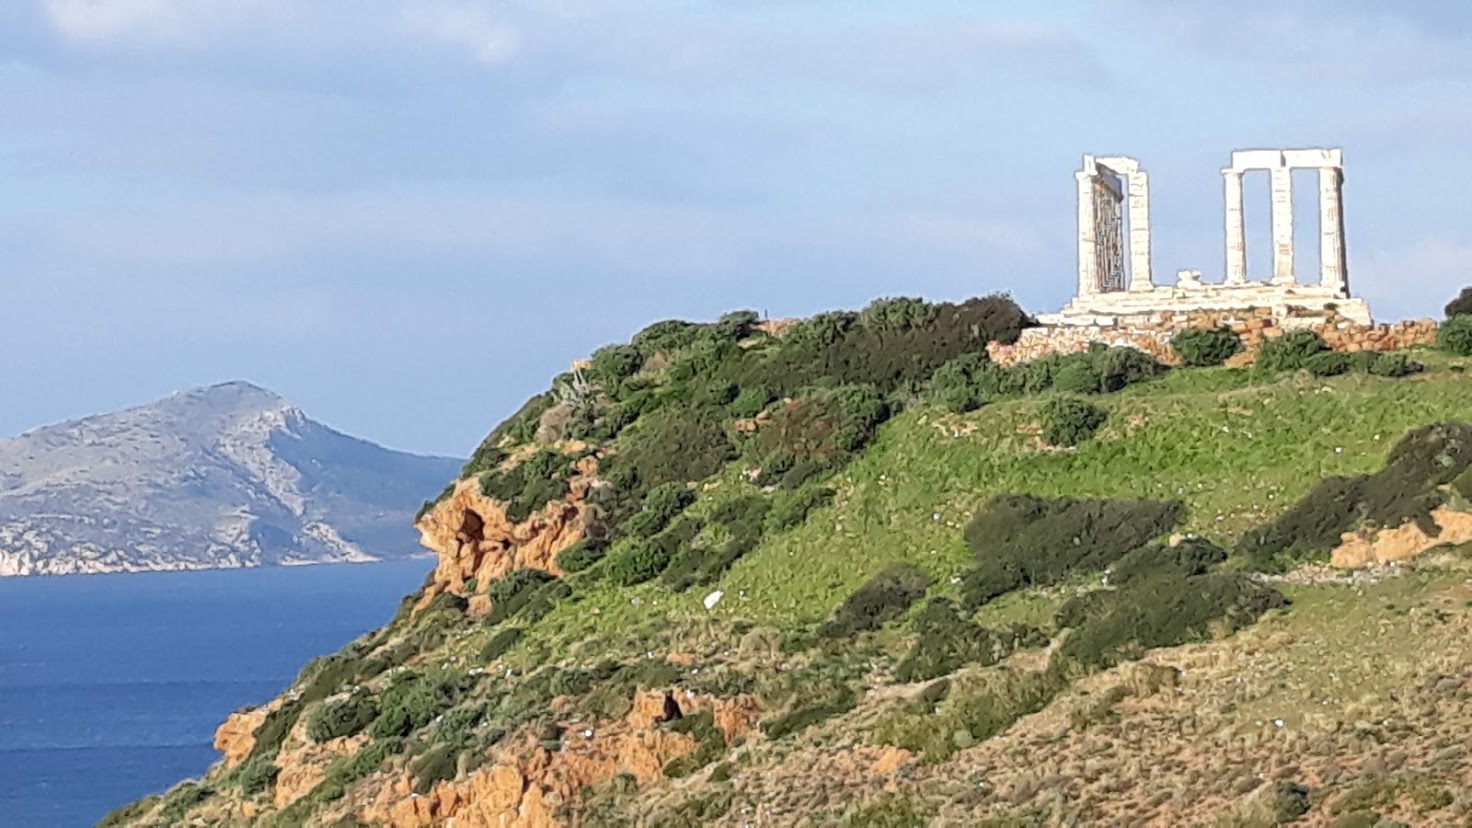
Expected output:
(226, 476)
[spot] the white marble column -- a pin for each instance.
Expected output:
(1282, 203)
(1088, 249)
(1236, 231)
(1331, 232)
(1141, 277)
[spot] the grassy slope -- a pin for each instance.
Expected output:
(1236, 450)
(1235, 446)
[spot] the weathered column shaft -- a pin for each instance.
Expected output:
(1282, 202)
(1236, 230)
(1141, 277)
(1331, 231)
(1088, 251)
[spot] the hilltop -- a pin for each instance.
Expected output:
(230, 475)
(852, 570)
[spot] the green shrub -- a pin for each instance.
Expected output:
(882, 598)
(530, 485)
(501, 643)
(273, 730)
(1405, 490)
(341, 718)
(435, 765)
(1162, 612)
(1394, 365)
(579, 556)
(892, 315)
(1455, 335)
(1290, 352)
(1122, 367)
(636, 562)
(1068, 421)
(513, 591)
(946, 641)
(666, 336)
(957, 385)
(977, 709)
(832, 350)
(751, 400)
(1460, 306)
(676, 444)
(825, 426)
(790, 510)
(738, 324)
(613, 363)
(1205, 347)
(128, 813)
(350, 769)
(1327, 364)
(692, 565)
(662, 504)
(1193, 556)
(840, 702)
(1024, 540)
(1079, 377)
(413, 699)
(257, 775)
(181, 798)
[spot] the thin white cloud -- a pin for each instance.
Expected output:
(154, 22)
(363, 27)
(487, 39)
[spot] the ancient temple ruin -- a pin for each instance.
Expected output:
(1115, 278)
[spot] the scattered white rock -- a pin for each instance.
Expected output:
(712, 599)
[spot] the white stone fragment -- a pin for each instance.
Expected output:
(712, 599)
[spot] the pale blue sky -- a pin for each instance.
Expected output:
(406, 215)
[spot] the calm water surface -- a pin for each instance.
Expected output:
(111, 686)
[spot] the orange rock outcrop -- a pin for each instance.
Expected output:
(1401, 543)
(236, 736)
(525, 785)
(474, 539)
(303, 763)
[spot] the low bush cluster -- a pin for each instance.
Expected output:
(1455, 335)
(1111, 626)
(345, 717)
(946, 641)
(1026, 540)
(662, 504)
(414, 698)
(1290, 352)
(882, 598)
(1461, 305)
(580, 556)
(1405, 490)
(972, 379)
(976, 709)
(1206, 347)
(838, 702)
(1193, 556)
(740, 522)
(1068, 421)
(816, 432)
(530, 484)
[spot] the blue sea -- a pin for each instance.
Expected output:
(111, 686)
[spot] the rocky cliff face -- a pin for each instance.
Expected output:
(226, 476)
(476, 543)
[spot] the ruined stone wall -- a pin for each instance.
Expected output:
(1152, 333)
